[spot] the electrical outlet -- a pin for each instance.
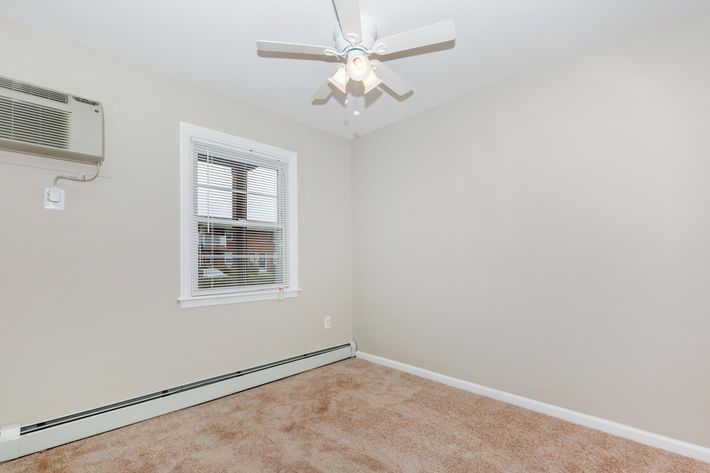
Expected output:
(327, 322)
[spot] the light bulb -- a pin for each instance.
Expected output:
(358, 66)
(339, 79)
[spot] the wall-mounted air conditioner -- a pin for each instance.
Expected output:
(44, 122)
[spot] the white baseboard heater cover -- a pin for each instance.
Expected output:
(20, 440)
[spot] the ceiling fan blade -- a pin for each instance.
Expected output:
(391, 79)
(293, 48)
(323, 92)
(349, 18)
(432, 34)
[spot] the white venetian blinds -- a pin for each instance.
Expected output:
(239, 220)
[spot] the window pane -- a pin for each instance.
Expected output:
(214, 203)
(213, 174)
(211, 202)
(233, 190)
(262, 189)
(261, 209)
(239, 256)
(262, 180)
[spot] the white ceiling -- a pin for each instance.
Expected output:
(211, 43)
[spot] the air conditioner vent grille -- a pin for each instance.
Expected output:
(33, 90)
(86, 101)
(33, 123)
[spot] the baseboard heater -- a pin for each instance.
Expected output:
(22, 439)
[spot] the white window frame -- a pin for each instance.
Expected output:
(187, 299)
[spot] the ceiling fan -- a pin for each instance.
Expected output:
(355, 42)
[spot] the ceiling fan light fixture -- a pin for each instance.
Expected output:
(355, 41)
(358, 66)
(339, 79)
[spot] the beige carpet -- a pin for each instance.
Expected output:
(353, 416)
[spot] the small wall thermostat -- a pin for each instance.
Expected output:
(53, 198)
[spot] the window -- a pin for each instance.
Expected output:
(238, 220)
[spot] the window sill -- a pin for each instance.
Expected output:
(251, 296)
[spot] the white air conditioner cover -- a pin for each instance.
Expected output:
(44, 122)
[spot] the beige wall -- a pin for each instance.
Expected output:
(88, 311)
(550, 235)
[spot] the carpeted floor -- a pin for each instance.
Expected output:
(354, 416)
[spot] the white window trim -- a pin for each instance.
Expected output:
(186, 299)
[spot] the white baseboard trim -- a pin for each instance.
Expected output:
(14, 444)
(614, 428)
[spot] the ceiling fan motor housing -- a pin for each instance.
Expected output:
(369, 35)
